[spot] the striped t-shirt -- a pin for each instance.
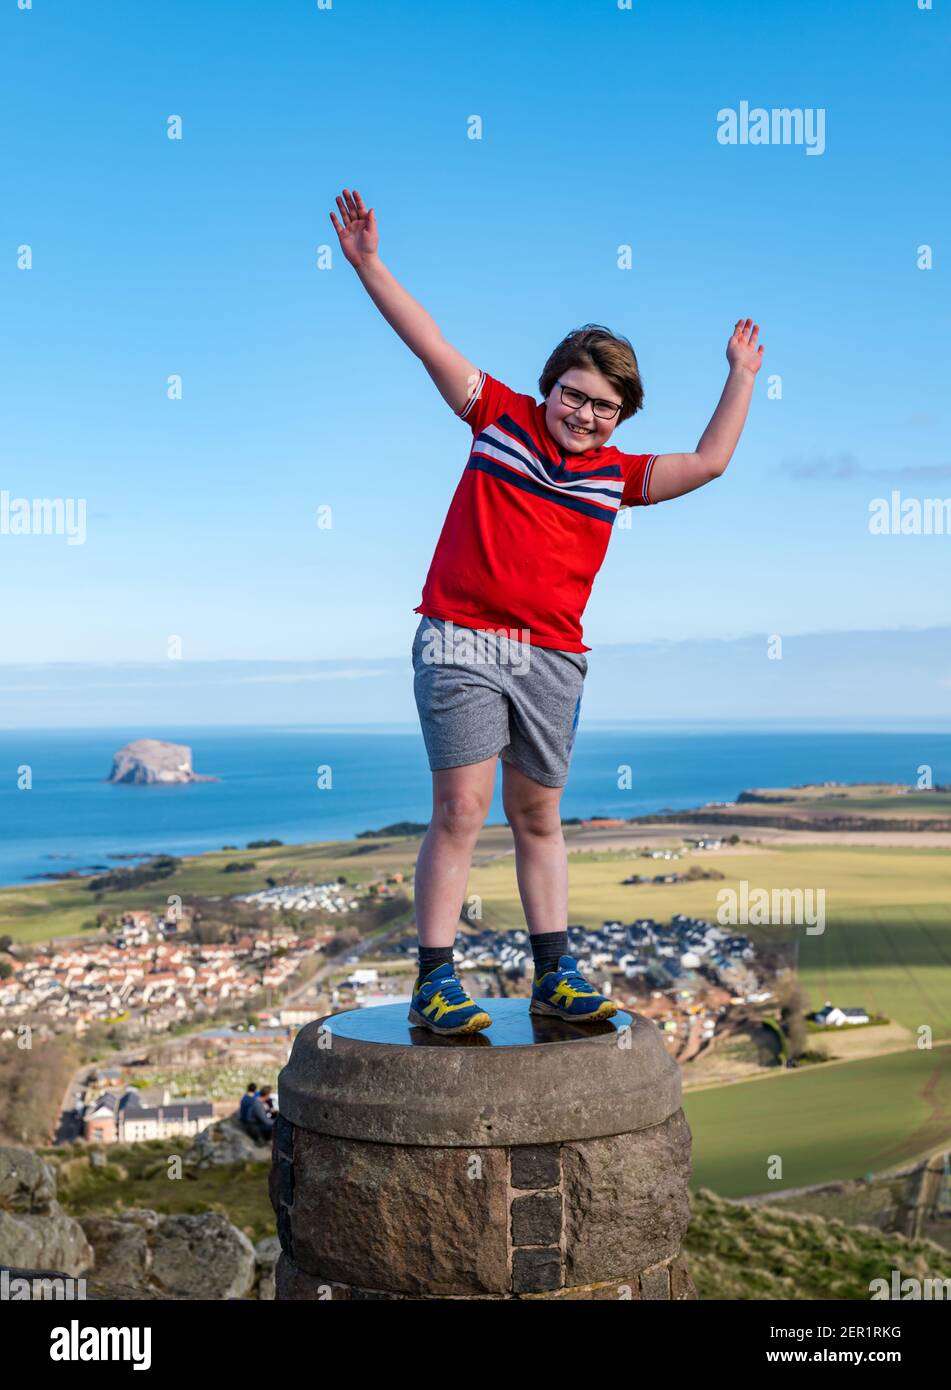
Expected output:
(527, 528)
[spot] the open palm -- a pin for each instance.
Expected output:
(358, 235)
(741, 350)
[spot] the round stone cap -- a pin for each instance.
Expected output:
(370, 1074)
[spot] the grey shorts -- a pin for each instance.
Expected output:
(478, 695)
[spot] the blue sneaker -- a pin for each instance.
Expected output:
(565, 993)
(441, 1004)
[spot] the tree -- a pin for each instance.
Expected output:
(792, 1015)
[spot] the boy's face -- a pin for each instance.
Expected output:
(560, 418)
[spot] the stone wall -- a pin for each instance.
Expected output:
(591, 1219)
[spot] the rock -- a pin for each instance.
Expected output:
(142, 1216)
(150, 760)
(34, 1229)
(138, 1254)
(226, 1142)
(121, 1248)
(27, 1184)
(266, 1254)
(202, 1257)
(45, 1240)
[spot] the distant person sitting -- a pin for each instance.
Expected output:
(244, 1109)
(260, 1120)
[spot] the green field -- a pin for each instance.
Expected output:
(868, 800)
(826, 1122)
(887, 939)
(894, 959)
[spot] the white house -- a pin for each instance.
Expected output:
(832, 1014)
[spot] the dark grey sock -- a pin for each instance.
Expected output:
(547, 949)
(431, 957)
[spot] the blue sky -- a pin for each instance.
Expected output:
(153, 257)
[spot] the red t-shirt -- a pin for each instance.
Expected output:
(527, 528)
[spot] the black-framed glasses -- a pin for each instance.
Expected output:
(606, 410)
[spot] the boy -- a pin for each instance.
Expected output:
(526, 532)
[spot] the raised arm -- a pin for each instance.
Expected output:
(675, 474)
(454, 375)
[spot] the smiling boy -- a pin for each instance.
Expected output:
(526, 533)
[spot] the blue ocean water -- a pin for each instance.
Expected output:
(73, 818)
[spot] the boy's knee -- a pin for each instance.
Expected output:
(460, 815)
(534, 818)
(533, 815)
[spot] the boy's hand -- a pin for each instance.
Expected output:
(674, 474)
(359, 237)
(741, 350)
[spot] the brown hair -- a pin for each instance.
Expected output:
(608, 353)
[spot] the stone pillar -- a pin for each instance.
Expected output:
(537, 1159)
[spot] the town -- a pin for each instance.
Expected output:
(154, 978)
(150, 975)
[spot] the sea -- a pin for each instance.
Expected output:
(58, 811)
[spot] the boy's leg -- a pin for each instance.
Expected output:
(541, 860)
(545, 701)
(541, 863)
(461, 800)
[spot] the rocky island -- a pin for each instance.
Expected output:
(148, 761)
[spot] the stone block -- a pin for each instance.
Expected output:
(655, 1283)
(536, 1165)
(536, 1220)
(412, 1219)
(626, 1200)
(535, 1270)
(681, 1284)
